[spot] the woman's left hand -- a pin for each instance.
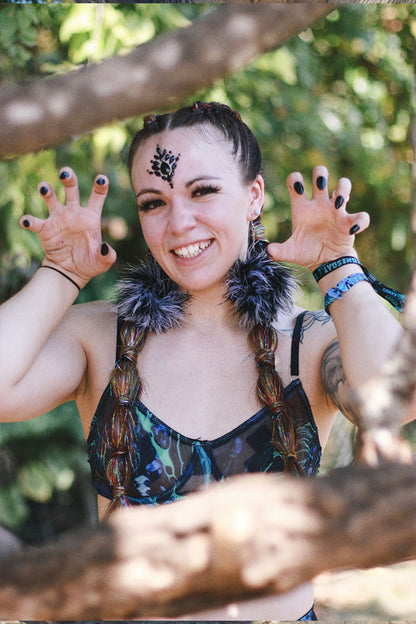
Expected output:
(322, 230)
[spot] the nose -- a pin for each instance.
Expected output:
(181, 218)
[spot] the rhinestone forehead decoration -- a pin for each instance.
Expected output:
(164, 163)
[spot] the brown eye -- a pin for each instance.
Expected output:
(151, 204)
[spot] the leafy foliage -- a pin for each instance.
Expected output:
(339, 93)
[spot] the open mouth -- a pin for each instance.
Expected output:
(192, 251)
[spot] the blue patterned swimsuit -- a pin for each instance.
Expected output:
(169, 465)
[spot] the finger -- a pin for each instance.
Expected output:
(320, 181)
(48, 194)
(107, 256)
(295, 185)
(357, 222)
(33, 224)
(99, 193)
(70, 182)
(341, 194)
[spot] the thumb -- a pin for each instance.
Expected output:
(280, 252)
(107, 256)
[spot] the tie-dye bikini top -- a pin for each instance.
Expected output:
(171, 465)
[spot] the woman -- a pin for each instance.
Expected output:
(178, 413)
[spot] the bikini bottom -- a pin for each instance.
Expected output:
(309, 616)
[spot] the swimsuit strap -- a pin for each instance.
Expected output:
(294, 358)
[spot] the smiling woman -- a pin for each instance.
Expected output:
(206, 368)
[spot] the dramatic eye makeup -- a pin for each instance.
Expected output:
(150, 204)
(205, 189)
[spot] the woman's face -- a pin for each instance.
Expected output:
(194, 207)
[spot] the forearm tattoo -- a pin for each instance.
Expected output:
(335, 382)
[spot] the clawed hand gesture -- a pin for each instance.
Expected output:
(322, 229)
(71, 234)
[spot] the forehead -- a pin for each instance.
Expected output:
(196, 146)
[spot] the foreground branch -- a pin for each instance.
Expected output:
(159, 73)
(253, 536)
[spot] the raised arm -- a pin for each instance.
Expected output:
(42, 360)
(324, 231)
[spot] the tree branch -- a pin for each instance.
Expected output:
(159, 73)
(255, 535)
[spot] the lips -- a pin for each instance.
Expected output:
(192, 251)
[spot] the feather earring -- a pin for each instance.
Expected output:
(258, 288)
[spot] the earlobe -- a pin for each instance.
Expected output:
(257, 198)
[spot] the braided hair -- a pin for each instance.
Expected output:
(117, 447)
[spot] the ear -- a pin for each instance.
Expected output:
(256, 190)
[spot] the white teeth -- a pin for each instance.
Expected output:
(193, 250)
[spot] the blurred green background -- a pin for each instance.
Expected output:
(338, 93)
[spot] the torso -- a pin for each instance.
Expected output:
(198, 389)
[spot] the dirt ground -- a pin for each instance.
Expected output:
(385, 594)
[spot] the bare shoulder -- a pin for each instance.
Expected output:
(89, 319)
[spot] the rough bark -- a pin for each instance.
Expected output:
(265, 536)
(45, 112)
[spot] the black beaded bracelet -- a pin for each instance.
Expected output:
(46, 266)
(328, 267)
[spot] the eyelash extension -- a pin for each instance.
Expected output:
(205, 190)
(148, 205)
(200, 191)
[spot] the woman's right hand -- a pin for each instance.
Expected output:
(71, 234)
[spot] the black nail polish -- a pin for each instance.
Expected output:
(321, 183)
(339, 201)
(43, 190)
(298, 186)
(104, 249)
(354, 229)
(64, 175)
(100, 181)
(26, 223)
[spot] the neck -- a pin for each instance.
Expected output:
(209, 310)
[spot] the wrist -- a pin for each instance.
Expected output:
(72, 278)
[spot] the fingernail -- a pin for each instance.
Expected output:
(339, 201)
(354, 229)
(321, 183)
(104, 248)
(26, 223)
(64, 175)
(298, 186)
(100, 181)
(43, 190)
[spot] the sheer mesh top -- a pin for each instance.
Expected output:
(170, 465)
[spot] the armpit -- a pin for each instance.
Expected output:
(335, 383)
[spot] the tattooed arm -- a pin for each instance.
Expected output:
(335, 383)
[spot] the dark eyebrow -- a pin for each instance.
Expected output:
(199, 178)
(187, 185)
(148, 190)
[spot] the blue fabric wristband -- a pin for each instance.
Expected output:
(342, 287)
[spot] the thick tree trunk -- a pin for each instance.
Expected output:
(157, 74)
(253, 536)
